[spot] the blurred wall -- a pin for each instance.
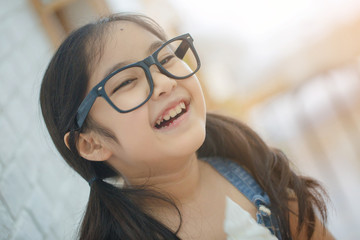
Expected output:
(40, 198)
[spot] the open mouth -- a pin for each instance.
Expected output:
(171, 116)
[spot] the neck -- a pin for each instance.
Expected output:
(182, 184)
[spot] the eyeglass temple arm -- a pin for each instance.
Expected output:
(85, 107)
(182, 49)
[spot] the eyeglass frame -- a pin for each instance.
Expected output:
(99, 89)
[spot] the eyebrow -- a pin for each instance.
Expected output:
(153, 47)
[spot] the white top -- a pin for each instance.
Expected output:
(239, 225)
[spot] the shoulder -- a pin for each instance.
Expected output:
(241, 180)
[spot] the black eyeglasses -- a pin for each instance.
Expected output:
(130, 87)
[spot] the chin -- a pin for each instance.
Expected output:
(195, 141)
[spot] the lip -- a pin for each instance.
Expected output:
(170, 106)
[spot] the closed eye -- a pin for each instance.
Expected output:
(123, 84)
(167, 59)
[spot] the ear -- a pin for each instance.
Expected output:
(89, 147)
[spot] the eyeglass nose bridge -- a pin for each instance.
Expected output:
(150, 60)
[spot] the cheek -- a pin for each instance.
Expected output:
(198, 96)
(133, 133)
(128, 128)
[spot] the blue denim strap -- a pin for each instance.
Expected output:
(247, 185)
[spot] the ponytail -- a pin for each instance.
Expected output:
(229, 138)
(115, 213)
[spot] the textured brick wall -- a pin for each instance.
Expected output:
(40, 197)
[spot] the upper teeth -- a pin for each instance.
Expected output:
(172, 113)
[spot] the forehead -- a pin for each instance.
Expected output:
(124, 42)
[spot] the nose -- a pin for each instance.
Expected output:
(163, 85)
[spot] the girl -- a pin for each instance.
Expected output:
(121, 102)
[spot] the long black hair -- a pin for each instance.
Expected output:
(119, 213)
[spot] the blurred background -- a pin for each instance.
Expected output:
(288, 68)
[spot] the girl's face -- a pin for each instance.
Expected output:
(143, 150)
